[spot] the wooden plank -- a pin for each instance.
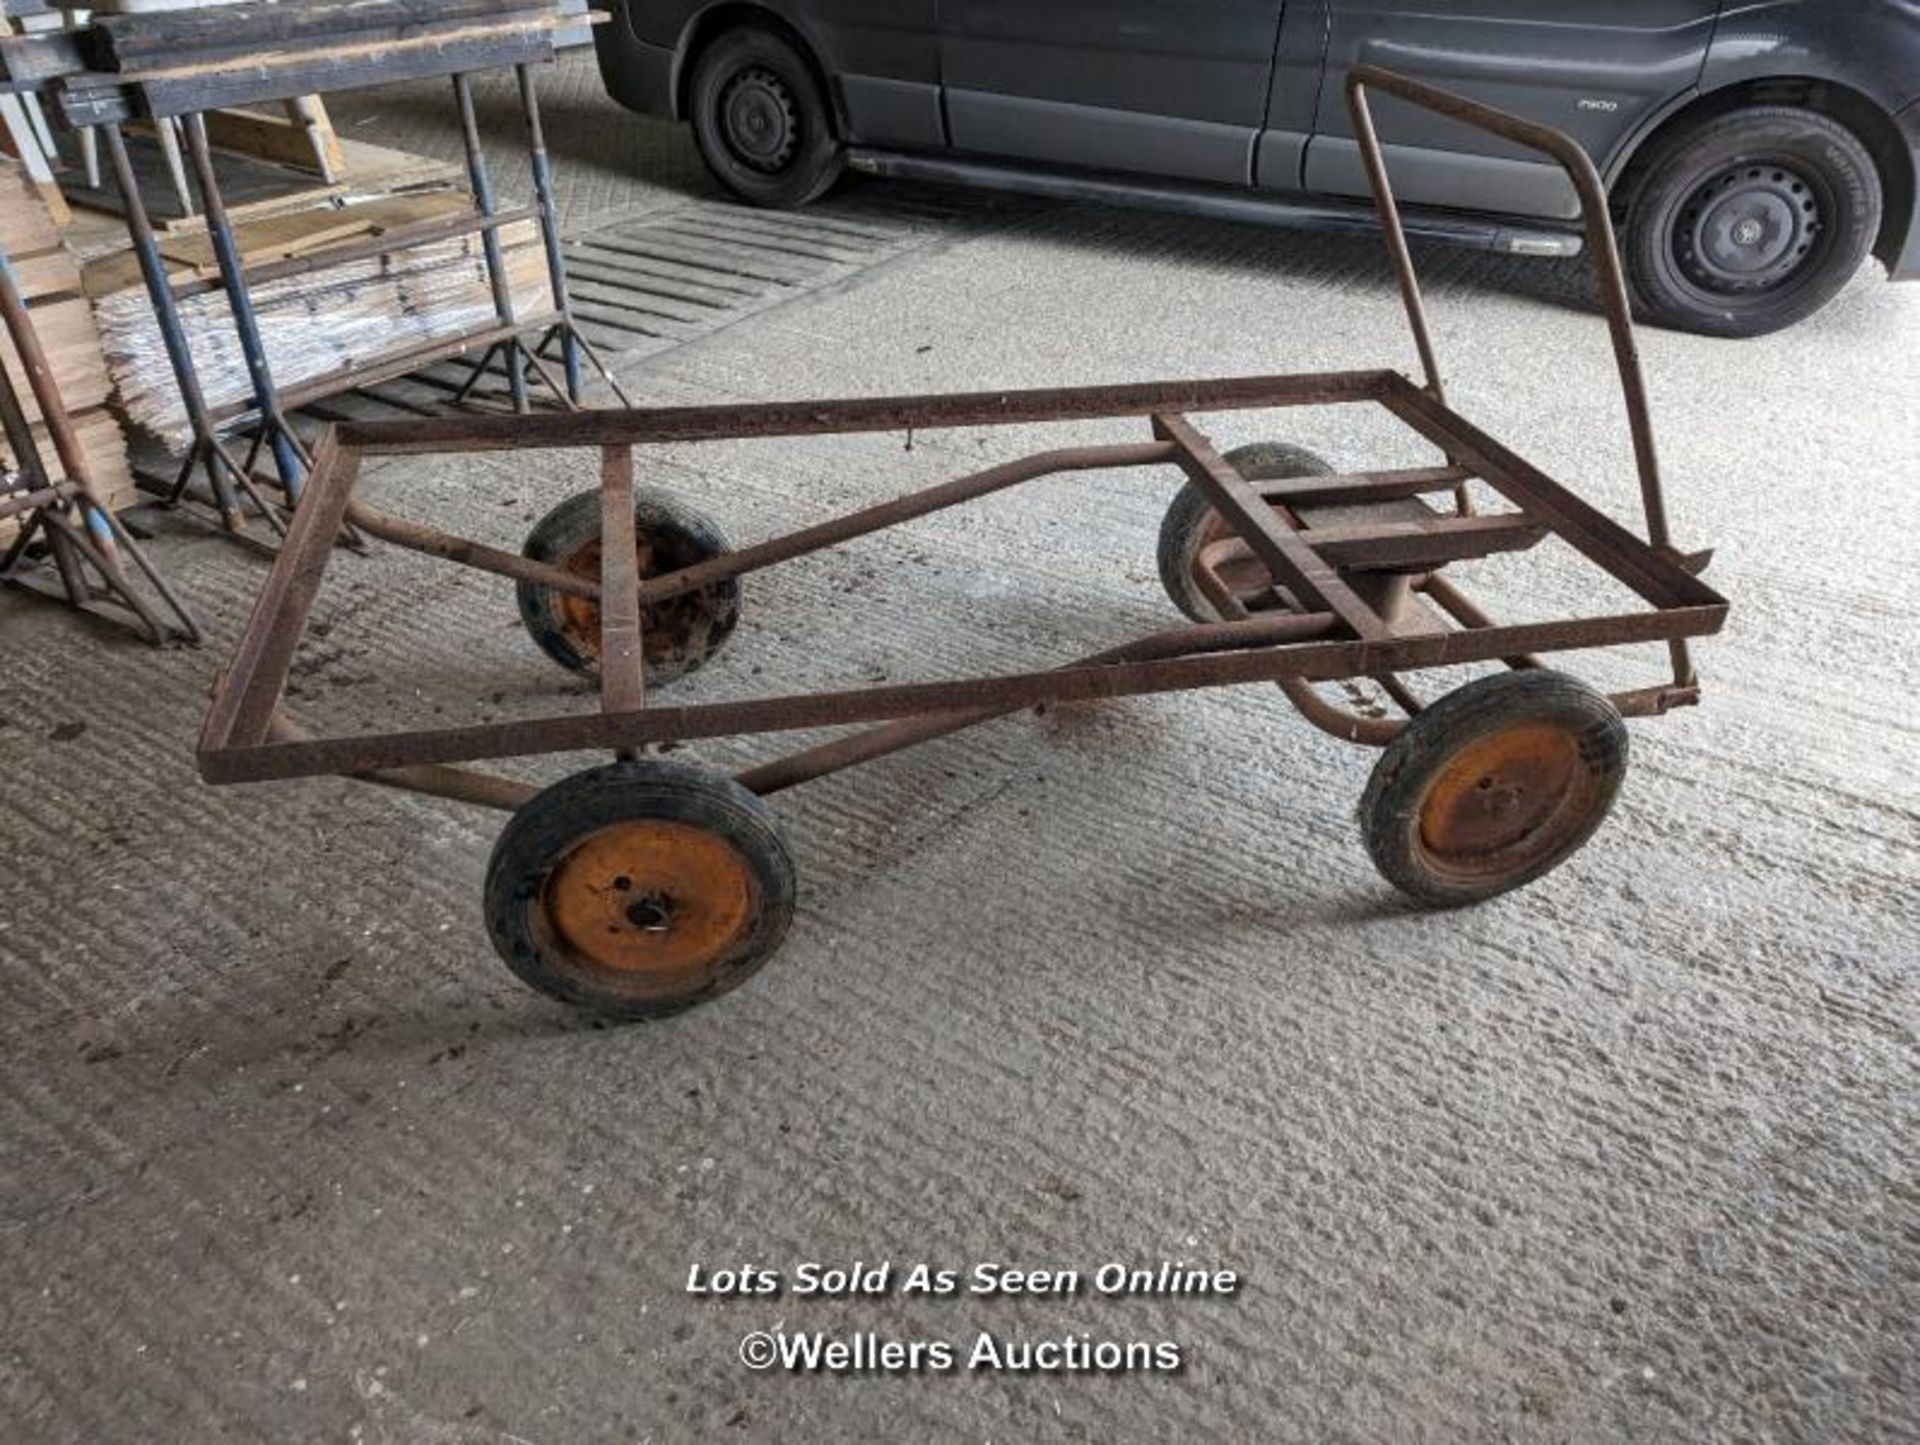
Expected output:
(270, 138)
(254, 78)
(309, 112)
(189, 254)
(1293, 564)
(52, 273)
(128, 40)
(67, 334)
(26, 225)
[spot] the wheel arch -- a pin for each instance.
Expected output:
(716, 20)
(1860, 113)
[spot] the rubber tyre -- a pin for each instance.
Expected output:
(679, 635)
(785, 86)
(1191, 522)
(566, 829)
(1836, 175)
(1448, 820)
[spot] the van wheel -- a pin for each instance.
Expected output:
(762, 120)
(1745, 223)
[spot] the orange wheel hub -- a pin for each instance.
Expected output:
(1505, 800)
(652, 902)
(669, 631)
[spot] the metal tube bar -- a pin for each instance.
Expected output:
(901, 509)
(1340, 490)
(862, 747)
(173, 336)
(18, 431)
(131, 548)
(1335, 721)
(461, 785)
(1602, 246)
(17, 548)
(246, 323)
(482, 182)
(14, 503)
(417, 537)
(600, 366)
(1405, 273)
(1464, 610)
(1403, 696)
(86, 539)
(550, 228)
(67, 557)
(539, 368)
(38, 369)
(1655, 701)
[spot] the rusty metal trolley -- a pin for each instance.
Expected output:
(644, 886)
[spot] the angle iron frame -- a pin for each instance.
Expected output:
(1327, 631)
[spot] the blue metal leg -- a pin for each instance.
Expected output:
(550, 230)
(482, 182)
(173, 336)
(246, 321)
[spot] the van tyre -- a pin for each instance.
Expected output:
(762, 121)
(1744, 223)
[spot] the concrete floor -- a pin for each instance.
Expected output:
(1628, 1156)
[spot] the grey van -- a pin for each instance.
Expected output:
(1757, 150)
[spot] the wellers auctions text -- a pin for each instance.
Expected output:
(870, 1353)
(986, 1280)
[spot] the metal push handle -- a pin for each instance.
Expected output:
(1601, 246)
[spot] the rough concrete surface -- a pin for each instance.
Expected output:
(1626, 1157)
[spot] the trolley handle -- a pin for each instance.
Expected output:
(1601, 246)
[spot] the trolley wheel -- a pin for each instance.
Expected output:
(639, 889)
(679, 635)
(1493, 786)
(1192, 524)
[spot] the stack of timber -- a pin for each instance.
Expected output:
(210, 57)
(318, 327)
(333, 302)
(63, 321)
